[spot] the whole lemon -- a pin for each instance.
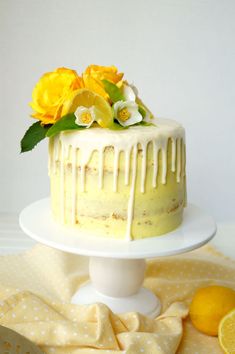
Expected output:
(209, 306)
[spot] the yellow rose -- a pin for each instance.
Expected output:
(50, 93)
(94, 74)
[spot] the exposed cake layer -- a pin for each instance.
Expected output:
(125, 184)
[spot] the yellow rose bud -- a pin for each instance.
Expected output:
(50, 93)
(94, 74)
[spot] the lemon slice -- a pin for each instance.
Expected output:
(87, 98)
(227, 333)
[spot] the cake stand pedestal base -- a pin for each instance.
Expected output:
(144, 301)
(117, 283)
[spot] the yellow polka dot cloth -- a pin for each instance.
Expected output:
(36, 288)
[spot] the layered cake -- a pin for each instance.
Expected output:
(115, 170)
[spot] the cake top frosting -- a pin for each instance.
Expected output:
(98, 138)
(99, 97)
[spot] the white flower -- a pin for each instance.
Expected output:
(128, 92)
(85, 116)
(126, 112)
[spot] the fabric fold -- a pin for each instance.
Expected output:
(68, 328)
(36, 289)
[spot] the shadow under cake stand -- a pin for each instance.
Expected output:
(117, 267)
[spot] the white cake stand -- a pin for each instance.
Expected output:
(117, 267)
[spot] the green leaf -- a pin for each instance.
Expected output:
(113, 91)
(142, 111)
(33, 136)
(147, 124)
(116, 126)
(141, 103)
(65, 123)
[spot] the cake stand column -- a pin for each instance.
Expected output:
(117, 283)
(117, 277)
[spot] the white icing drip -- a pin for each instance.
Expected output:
(127, 166)
(74, 182)
(83, 177)
(155, 163)
(115, 169)
(50, 157)
(101, 168)
(164, 161)
(143, 167)
(66, 151)
(179, 151)
(57, 143)
(173, 154)
(97, 139)
(55, 152)
(184, 159)
(130, 209)
(62, 167)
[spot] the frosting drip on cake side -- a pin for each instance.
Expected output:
(97, 139)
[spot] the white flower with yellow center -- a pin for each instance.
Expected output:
(85, 116)
(126, 112)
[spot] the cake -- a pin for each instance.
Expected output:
(115, 170)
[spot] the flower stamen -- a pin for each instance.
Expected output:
(124, 114)
(86, 117)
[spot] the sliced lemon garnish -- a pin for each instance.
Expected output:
(87, 98)
(227, 333)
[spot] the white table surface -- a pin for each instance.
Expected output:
(13, 240)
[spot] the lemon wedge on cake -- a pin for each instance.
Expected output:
(88, 99)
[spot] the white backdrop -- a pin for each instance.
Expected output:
(179, 53)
